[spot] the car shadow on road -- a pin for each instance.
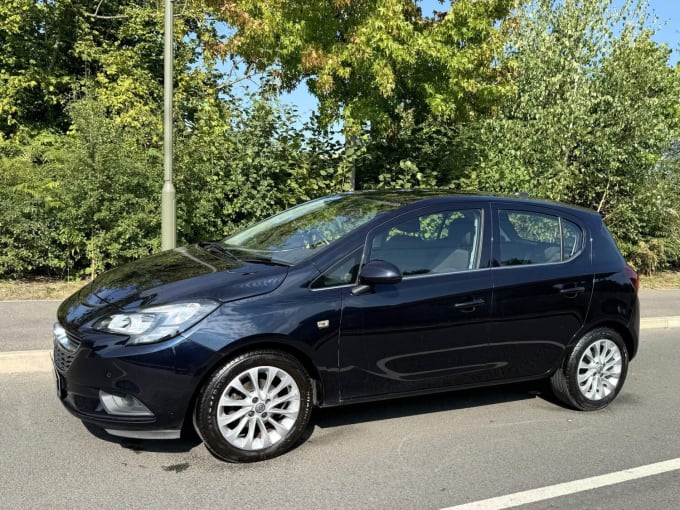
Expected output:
(360, 413)
(434, 403)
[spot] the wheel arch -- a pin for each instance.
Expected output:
(274, 342)
(565, 380)
(620, 328)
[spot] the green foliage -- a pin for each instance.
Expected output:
(410, 155)
(581, 107)
(108, 194)
(28, 243)
(366, 59)
(80, 116)
(233, 173)
(78, 203)
(80, 149)
(35, 69)
(656, 242)
(594, 113)
(51, 50)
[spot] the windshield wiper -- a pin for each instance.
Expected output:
(215, 247)
(251, 257)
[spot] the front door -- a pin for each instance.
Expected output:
(429, 331)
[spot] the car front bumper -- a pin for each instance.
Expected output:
(162, 377)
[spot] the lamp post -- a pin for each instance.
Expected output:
(168, 214)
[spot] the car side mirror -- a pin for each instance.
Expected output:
(376, 272)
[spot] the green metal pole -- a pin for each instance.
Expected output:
(168, 214)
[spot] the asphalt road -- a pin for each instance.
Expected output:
(421, 453)
(659, 303)
(26, 325)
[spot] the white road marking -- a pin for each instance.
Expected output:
(564, 489)
(21, 362)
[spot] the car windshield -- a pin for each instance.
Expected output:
(295, 234)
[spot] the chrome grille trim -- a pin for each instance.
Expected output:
(63, 358)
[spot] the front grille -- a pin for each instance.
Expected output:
(63, 358)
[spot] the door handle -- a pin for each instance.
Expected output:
(468, 306)
(572, 291)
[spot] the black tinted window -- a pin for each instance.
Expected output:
(343, 273)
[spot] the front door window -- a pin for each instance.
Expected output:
(436, 243)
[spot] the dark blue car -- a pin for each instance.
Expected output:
(348, 298)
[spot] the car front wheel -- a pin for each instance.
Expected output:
(255, 407)
(593, 374)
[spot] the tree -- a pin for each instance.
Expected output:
(28, 239)
(595, 110)
(107, 195)
(80, 128)
(53, 50)
(365, 60)
(238, 167)
(80, 186)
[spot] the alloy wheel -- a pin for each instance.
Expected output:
(599, 369)
(258, 408)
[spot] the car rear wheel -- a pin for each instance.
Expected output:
(255, 407)
(594, 372)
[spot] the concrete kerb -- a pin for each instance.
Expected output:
(660, 322)
(21, 362)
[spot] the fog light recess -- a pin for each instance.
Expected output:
(126, 405)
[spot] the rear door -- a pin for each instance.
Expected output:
(543, 283)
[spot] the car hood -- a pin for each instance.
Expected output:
(181, 274)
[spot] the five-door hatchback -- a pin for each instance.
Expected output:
(348, 298)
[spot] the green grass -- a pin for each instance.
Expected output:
(11, 290)
(661, 280)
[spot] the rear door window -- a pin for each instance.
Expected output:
(536, 238)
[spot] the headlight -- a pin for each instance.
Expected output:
(62, 338)
(157, 323)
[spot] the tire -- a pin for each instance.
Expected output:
(241, 423)
(594, 372)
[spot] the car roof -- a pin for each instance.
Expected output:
(419, 197)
